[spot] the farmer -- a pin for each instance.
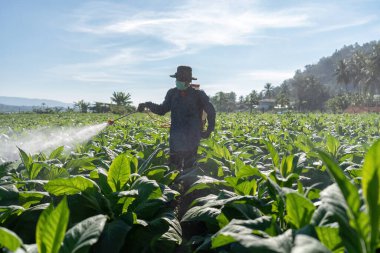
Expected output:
(186, 105)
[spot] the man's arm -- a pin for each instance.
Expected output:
(158, 109)
(211, 114)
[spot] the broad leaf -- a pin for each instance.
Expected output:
(299, 210)
(304, 243)
(29, 198)
(69, 186)
(26, 159)
(113, 237)
(204, 182)
(8, 195)
(349, 191)
(51, 227)
(231, 232)
(83, 163)
(55, 154)
(79, 238)
(243, 170)
(200, 213)
(333, 208)
(119, 172)
(9, 239)
(332, 145)
(273, 153)
(34, 170)
(370, 186)
(247, 243)
(329, 236)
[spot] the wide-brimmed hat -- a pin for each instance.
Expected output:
(184, 73)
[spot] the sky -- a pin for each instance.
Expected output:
(72, 50)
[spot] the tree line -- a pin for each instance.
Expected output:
(351, 76)
(121, 102)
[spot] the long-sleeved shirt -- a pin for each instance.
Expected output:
(186, 116)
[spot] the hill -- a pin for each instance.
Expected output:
(14, 108)
(324, 70)
(18, 101)
(18, 104)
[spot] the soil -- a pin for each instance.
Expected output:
(363, 109)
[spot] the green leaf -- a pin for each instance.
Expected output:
(200, 213)
(83, 163)
(288, 165)
(304, 243)
(370, 186)
(299, 210)
(29, 198)
(119, 172)
(332, 145)
(329, 236)
(55, 154)
(236, 228)
(333, 208)
(26, 159)
(70, 186)
(247, 187)
(51, 227)
(273, 153)
(9, 239)
(34, 170)
(174, 232)
(245, 242)
(349, 191)
(79, 238)
(100, 176)
(204, 182)
(8, 195)
(147, 189)
(244, 170)
(113, 237)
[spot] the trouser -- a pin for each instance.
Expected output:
(183, 159)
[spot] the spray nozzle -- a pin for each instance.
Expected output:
(110, 122)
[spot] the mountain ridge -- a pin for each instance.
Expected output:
(30, 102)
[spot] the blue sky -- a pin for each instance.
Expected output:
(71, 50)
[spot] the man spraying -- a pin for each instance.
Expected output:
(186, 105)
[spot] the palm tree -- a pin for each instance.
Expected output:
(374, 68)
(82, 106)
(268, 90)
(283, 97)
(252, 99)
(121, 98)
(356, 69)
(342, 74)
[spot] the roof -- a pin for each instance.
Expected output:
(267, 100)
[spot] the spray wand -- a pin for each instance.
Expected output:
(111, 122)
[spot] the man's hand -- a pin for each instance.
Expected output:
(205, 134)
(141, 107)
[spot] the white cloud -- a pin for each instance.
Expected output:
(201, 23)
(187, 27)
(269, 75)
(345, 24)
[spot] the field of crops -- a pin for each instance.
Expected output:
(263, 183)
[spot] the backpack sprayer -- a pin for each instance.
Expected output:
(111, 122)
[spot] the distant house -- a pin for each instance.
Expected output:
(266, 104)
